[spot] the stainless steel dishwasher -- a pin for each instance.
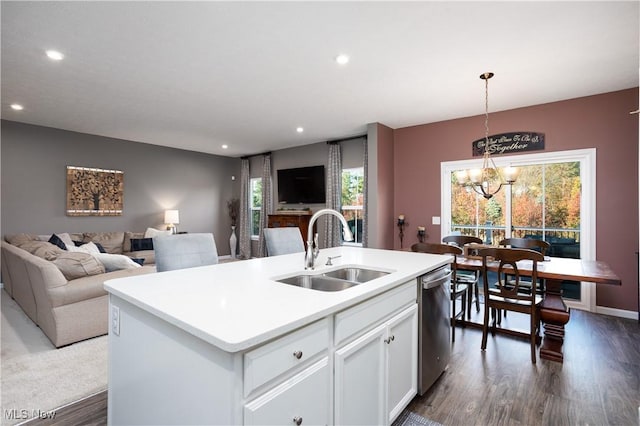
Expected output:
(434, 326)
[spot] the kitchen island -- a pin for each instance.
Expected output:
(229, 344)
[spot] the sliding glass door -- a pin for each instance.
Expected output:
(552, 200)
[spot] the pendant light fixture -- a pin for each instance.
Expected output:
(488, 180)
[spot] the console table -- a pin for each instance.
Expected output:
(281, 219)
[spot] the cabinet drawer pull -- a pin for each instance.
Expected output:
(297, 420)
(390, 339)
(298, 355)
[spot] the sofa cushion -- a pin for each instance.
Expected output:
(92, 286)
(17, 239)
(149, 256)
(42, 249)
(111, 241)
(77, 264)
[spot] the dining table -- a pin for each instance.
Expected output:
(554, 313)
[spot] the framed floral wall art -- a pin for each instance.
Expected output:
(94, 192)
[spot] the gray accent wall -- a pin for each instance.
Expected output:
(33, 183)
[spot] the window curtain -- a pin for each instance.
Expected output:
(244, 233)
(333, 227)
(267, 203)
(365, 190)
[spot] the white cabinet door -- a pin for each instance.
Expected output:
(360, 375)
(402, 360)
(301, 400)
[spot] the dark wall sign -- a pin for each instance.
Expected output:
(507, 143)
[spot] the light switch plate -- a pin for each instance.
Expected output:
(435, 220)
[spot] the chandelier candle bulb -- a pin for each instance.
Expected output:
(510, 174)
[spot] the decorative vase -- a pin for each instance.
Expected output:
(233, 242)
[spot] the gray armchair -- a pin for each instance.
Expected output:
(283, 240)
(184, 251)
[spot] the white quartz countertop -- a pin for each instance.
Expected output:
(238, 305)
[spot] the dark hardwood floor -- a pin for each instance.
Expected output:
(598, 384)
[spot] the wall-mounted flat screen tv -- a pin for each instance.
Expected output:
(304, 185)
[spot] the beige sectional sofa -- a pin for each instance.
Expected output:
(62, 291)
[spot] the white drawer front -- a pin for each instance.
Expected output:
(291, 351)
(304, 398)
(368, 314)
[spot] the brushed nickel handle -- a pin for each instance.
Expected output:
(297, 420)
(298, 355)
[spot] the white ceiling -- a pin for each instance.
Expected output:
(196, 75)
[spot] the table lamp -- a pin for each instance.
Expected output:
(172, 218)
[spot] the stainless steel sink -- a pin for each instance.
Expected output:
(318, 282)
(359, 275)
(339, 279)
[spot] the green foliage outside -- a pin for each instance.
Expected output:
(352, 187)
(544, 195)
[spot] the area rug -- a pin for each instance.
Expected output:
(34, 385)
(409, 418)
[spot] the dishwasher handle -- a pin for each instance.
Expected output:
(428, 283)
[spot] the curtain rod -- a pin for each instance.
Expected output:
(246, 157)
(347, 139)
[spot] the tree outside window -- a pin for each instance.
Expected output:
(256, 204)
(353, 199)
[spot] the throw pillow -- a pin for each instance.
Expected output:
(90, 247)
(76, 265)
(152, 232)
(57, 241)
(66, 239)
(126, 246)
(115, 262)
(98, 245)
(140, 244)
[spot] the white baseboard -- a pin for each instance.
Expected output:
(616, 312)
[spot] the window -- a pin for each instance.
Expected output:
(255, 205)
(553, 199)
(352, 200)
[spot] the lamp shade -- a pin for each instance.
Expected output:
(171, 216)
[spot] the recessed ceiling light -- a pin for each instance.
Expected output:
(299, 129)
(225, 146)
(55, 55)
(17, 107)
(342, 59)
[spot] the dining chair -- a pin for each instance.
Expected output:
(505, 297)
(458, 289)
(471, 278)
(181, 251)
(532, 244)
(283, 240)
